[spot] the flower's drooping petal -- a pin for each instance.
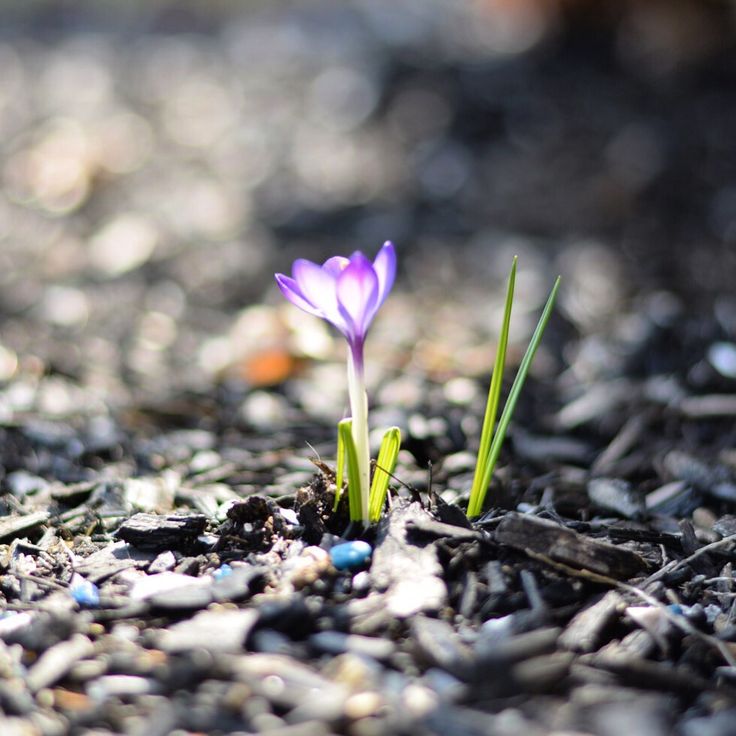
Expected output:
(335, 265)
(319, 288)
(385, 267)
(357, 292)
(290, 289)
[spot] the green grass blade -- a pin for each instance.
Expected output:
(385, 464)
(494, 397)
(345, 433)
(513, 398)
(340, 470)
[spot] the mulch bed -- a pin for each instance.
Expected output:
(166, 518)
(168, 600)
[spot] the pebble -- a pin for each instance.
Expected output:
(350, 555)
(193, 269)
(163, 583)
(722, 356)
(57, 661)
(242, 581)
(21, 483)
(214, 630)
(615, 494)
(336, 642)
(12, 621)
(362, 582)
(86, 593)
(165, 562)
(222, 572)
(675, 499)
(717, 724)
(306, 568)
(110, 686)
(459, 462)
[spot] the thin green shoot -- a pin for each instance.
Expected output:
(385, 465)
(345, 435)
(494, 396)
(340, 469)
(475, 508)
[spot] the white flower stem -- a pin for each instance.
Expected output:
(359, 412)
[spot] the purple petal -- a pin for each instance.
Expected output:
(357, 292)
(290, 289)
(385, 267)
(335, 265)
(319, 288)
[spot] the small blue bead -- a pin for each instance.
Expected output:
(350, 554)
(677, 609)
(222, 572)
(86, 594)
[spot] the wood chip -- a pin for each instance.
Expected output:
(57, 661)
(12, 526)
(161, 533)
(585, 632)
(410, 574)
(568, 547)
(707, 407)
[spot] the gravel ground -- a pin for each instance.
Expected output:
(166, 551)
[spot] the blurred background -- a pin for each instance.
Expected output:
(161, 159)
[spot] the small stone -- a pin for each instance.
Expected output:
(57, 661)
(222, 572)
(363, 705)
(717, 724)
(307, 567)
(722, 356)
(615, 494)
(164, 583)
(110, 686)
(21, 483)
(12, 621)
(163, 563)
(362, 582)
(217, 631)
(350, 555)
(86, 593)
(337, 642)
(240, 583)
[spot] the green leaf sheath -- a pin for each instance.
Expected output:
(385, 464)
(340, 470)
(345, 433)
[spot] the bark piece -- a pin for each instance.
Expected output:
(11, 526)
(57, 661)
(439, 645)
(160, 533)
(585, 632)
(410, 574)
(567, 547)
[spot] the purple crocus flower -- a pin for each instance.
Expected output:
(347, 292)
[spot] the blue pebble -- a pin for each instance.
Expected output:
(222, 572)
(677, 609)
(350, 554)
(86, 594)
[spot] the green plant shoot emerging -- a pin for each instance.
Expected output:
(492, 434)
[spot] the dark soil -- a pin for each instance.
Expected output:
(167, 424)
